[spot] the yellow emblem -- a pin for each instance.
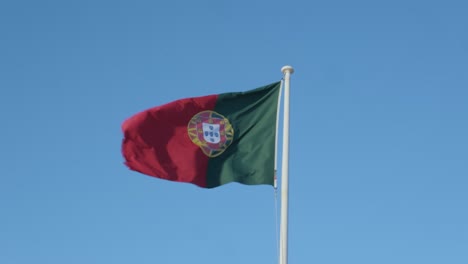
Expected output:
(210, 131)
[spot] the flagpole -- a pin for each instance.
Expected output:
(287, 71)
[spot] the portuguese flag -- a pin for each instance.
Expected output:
(208, 141)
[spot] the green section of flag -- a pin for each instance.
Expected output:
(250, 158)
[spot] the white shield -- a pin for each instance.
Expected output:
(211, 132)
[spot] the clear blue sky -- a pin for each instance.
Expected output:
(379, 130)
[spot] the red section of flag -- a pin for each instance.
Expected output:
(156, 141)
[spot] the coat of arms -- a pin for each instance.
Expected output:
(210, 131)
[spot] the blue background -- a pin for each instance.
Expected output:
(379, 107)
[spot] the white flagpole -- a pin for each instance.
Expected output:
(275, 184)
(287, 71)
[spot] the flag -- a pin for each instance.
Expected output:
(209, 140)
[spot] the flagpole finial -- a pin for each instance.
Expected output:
(286, 69)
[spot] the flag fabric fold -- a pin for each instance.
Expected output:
(207, 141)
